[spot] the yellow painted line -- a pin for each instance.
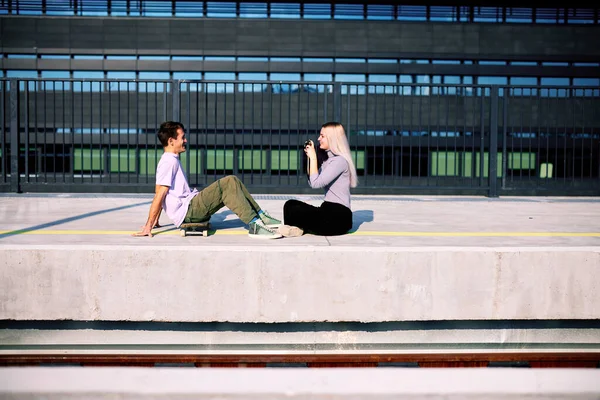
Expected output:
(479, 234)
(358, 233)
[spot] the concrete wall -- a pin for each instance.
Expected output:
(331, 38)
(124, 283)
(293, 383)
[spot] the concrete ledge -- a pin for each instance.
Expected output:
(183, 383)
(291, 284)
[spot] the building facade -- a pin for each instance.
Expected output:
(472, 98)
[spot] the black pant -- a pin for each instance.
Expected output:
(329, 219)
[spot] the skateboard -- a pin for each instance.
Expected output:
(194, 228)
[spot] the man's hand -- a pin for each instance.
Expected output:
(160, 193)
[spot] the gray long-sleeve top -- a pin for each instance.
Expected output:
(334, 176)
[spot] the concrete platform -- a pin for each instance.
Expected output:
(294, 383)
(71, 257)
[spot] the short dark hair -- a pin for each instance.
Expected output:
(168, 129)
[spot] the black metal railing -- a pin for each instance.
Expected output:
(99, 135)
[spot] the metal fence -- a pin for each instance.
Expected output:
(100, 135)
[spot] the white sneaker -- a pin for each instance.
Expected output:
(290, 231)
(258, 230)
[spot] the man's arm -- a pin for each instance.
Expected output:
(155, 208)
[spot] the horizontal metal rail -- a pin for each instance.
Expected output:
(456, 359)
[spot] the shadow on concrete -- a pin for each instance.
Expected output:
(360, 216)
(65, 220)
(218, 220)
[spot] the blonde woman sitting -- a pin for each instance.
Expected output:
(337, 175)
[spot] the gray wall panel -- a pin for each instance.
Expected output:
(305, 38)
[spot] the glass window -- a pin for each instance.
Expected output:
(406, 88)
(523, 81)
(382, 78)
(156, 8)
(56, 8)
(588, 91)
(252, 76)
(284, 76)
(442, 13)
(87, 57)
(348, 11)
(189, 76)
(451, 80)
(317, 11)
(24, 74)
(491, 80)
(312, 59)
(350, 60)
(120, 57)
(154, 86)
(347, 86)
(282, 86)
(219, 87)
(380, 12)
(21, 56)
(285, 59)
(326, 87)
(93, 8)
(120, 76)
(55, 56)
(382, 60)
(487, 62)
(524, 63)
(187, 58)
(519, 15)
(445, 62)
(549, 16)
(253, 10)
(555, 64)
(253, 59)
(219, 58)
(487, 14)
(285, 10)
(217, 9)
(125, 7)
(554, 91)
(185, 8)
(57, 84)
(580, 15)
(164, 58)
(87, 86)
(412, 13)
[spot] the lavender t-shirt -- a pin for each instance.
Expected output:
(169, 173)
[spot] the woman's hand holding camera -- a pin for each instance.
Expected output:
(309, 150)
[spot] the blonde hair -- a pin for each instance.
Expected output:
(338, 144)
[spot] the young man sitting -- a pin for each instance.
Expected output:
(181, 204)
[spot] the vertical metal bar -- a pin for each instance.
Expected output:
(26, 123)
(110, 130)
(118, 133)
(38, 152)
(493, 152)
(91, 127)
(3, 156)
(14, 136)
(337, 103)
(505, 102)
(481, 136)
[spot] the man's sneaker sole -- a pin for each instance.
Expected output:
(266, 237)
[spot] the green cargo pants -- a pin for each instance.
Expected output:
(227, 192)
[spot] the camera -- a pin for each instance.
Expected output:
(307, 143)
